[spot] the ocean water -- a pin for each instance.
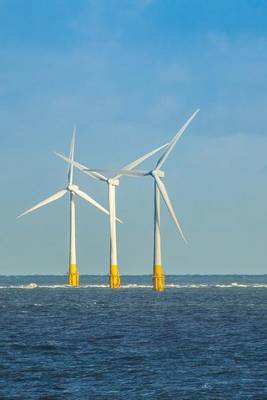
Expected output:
(205, 337)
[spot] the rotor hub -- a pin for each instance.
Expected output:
(72, 188)
(158, 172)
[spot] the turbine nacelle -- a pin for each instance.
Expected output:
(72, 188)
(113, 182)
(158, 173)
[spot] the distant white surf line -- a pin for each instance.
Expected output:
(139, 286)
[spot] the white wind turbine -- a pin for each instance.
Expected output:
(73, 190)
(113, 183)
(160, 189)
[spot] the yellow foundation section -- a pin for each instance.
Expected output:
(74, 278)
(114, 278)
(158, 278)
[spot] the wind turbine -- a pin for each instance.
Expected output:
(73, 278)
(113, 183)
(160, 189)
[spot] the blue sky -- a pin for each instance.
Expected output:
(129, 73)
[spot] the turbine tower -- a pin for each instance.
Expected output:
(73, 278)
(160, 190)
(113, 183)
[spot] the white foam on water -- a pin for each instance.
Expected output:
(231, 285)
(54, 286)
(29, 286)
(188, 286)
(260, 285)
(135, 285)
(32, 285)
(235, 284)
(94, 286)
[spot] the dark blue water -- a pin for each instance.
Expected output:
(205, 337)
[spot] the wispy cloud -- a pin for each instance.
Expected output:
(145, 3)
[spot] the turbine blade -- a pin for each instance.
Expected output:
(90, 200)
(83, 168)
(168, 203)
(173, 142)
(71, 157)
(50, 199)
(121, 172)
(137, 162)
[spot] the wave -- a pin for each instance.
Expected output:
(34, 285)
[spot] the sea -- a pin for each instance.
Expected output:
(204, 337)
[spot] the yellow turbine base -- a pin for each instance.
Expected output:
(74, 278)
(114, 278)
(158, 278)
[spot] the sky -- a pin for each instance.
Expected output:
(129, 73)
